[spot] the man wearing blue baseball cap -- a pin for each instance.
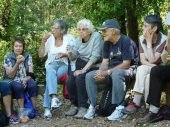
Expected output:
(119, 53)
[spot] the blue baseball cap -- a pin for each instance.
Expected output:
(110, 23)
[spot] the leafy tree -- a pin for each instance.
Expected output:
(32, 18)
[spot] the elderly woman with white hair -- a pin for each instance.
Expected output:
(87, 52)
(54, 45)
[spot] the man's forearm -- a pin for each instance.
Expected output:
(103, 67)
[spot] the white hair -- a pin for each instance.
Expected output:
(87, 23)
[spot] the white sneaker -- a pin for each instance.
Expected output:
(81, 112)
(47, 113)
(117, 114)
(90, 113)
(55, 103)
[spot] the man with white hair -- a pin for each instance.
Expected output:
(118, 56)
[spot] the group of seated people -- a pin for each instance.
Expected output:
(90, 61)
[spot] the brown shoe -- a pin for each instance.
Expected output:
(147, 119)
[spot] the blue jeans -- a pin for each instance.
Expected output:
(54, 71)
(5, 88)
(18, 89)
(118, 86)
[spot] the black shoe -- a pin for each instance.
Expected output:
(149, 118)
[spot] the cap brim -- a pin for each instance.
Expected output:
(102, 28)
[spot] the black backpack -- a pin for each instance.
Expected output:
(4, 120)
(105, 105)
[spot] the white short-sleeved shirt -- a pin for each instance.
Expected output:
(51, 50)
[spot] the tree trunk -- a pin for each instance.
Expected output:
(122, 22)
(6, 13)
(132, 23)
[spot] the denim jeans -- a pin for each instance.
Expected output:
(54, 71)
(118, 87)
(18, 89)
(5, 88)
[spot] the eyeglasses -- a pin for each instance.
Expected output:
(56, 28)
(83, 29)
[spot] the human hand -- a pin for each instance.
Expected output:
(46, 36)
(24, 82)
(148, 34)
(100, 75)
(20, 59)
(78, 72)
(168, 58)
(61, 55)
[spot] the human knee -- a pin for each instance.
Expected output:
(80, 78)
(31, 84)
(117, 73)
(90, 75)
(155, 70)
(49, 69)
(5, 89)
(141, 68)
(18, 87)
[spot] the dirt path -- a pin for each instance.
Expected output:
(59, 120)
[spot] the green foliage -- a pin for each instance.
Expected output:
(32, 18)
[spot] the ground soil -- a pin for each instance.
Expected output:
(60, 120)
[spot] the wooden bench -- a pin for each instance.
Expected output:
(129, 86)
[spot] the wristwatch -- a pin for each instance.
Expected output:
(108, 72)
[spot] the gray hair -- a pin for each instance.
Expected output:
(154, 20)
(117, 30)
(62, 24)
(87, 23)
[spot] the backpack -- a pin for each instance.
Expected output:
(105, 105)
(29, 109)
(4, 120)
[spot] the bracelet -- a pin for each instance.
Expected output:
(108, 72)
